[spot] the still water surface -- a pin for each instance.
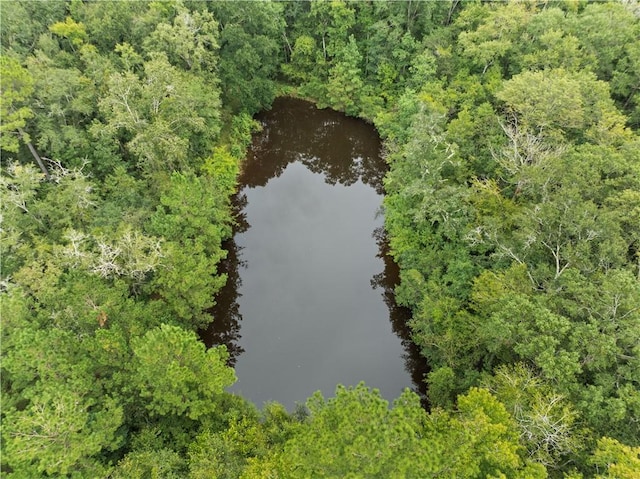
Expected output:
(309, 300)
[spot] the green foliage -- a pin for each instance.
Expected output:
(64, 106)
(164, 463)
(192, 208)
(176, 375)
(190, 40)
(108, 23)
(57, 420)
(163, 117)
(240, 134)
(224, 455)
(193, 218)
(554, 102)
(19, 187)
(342, 434)
(223, 169)
(24, 22)
(76, 260)
(356, 435)
(333, 20)
(605, 30)
(303, 60)
(512, 208)
(75, 33)
(500, 211)
(17, 87)
(249, 35)
(58, 433)
(615, 460)
(491, 447)
(546, 419)
(344, 82)
(490, 32)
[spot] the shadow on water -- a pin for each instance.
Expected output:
(344, 150)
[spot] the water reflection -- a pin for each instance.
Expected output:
(345, 152)
(226, 312)
(399, 316)
(295, 130)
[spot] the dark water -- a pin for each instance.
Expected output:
(309, 300)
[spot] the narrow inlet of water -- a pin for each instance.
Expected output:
(309, 302)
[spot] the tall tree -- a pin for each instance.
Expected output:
(163, 117)
(249, 37)
(176, 375)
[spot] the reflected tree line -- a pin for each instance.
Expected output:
(386, 281)
(343, 157)
(342, 148)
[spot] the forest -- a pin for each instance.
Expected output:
(511, 130)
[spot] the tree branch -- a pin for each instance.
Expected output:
(34, 153)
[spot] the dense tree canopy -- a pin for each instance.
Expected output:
(512, 206)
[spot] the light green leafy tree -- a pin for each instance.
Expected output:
(59, 433)
(17, 87)
(64, 104)
(108, 23)
(304, 60)
(546, 419)
(333, 21)
(606, 30)
(160, 464)
(19, 185)
(345, 82)
(58, 420)
(615, 460)
(557, 104)
(193, 218)
(356, 435)
(481, 440)
(490, 32)
(166, 119)
(73, 32)
(552, 44)
(190, 40)
(176, 375)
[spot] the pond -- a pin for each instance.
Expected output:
(309, 301)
